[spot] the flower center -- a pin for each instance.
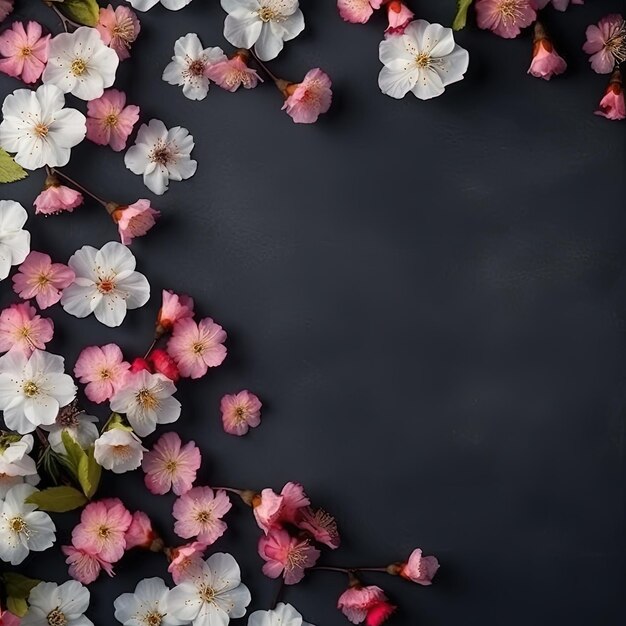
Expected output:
(161, 154)
(30, 389)
(153, 619)
(204, 517)
(104, 532)
(267, 14)
(18, 525)
(240, 414)
(207, 594)
(56, 618)
(146, 399)
(296, 557)
(68, 416)
(106, 285)
(196, 68)
(125, 30)
(616, 43)
(105, 374)
(78, 67)
(510, 11)
(42, 280)
(171, 466)
(423, 60)
(110, 120)
(26, 51)
(41, 130)
(198, 348)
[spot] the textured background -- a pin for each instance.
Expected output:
(429, 297)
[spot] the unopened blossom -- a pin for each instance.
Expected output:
(106, 284)
(33, 389)
(357, 11)
(281, 615)
(118, 28)
(320, 525)
(163, 363)
(81, 64)
(139, 364)
(102, 529)
(23, 528)
(14, 240)
(134, 220)
(240, 412)
(147, 400)
(77, 424)
(57, 198)
(185, 560)
(160, 155)
(170, 465)
(38, 277)
(145, 5)
(103, 370)
(190, 64)
(6, 6)
(546, 61)
(25, 51)
(264, 24)
(199, 512)
(110, 121)
(606, 43)
(306, 101)
(141, 534)
(230, 74)
(23, 330)
(84, 566)
(419, 568)
(286, 555)
(14, 456)
(365, 604)
(612, 105)
(174, 308)
(559, 5)
(505, 18)
(214, 595)
(38, 129)
(148, 605)
(118, 450)
(272, 509)
(58, 605)
(423, 60)
(197, 346)
(398, 17)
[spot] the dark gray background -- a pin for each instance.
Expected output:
(429, 297)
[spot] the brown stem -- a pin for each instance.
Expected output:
(279, 82)
(53, 170)
(151, 348)
(350, 570)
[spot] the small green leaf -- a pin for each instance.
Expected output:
(73, 453)
(84, 12)
(57, 499)
(460, 19)
(17, 589)
(89, 473)
(10, 171)
(17, 606)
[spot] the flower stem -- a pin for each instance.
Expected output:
(279, 82)
(53, 170)
(66, 21)
(151, 348)
(349, 570)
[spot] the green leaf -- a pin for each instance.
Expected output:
(460, 19)
(17, 606)
(73, 453)
(17, 589)
(84, 12)
(10, 171)
(89, 473)
(57, 499)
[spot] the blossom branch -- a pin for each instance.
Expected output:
(53, 171)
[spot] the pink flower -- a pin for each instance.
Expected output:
(118, 29)
(56, 198)
(196, 347)
(164, 364)
(6, 6)
(420, 569)
(307, 100)
(6, 617)
(102, 529)
(364, 604)
(234, 73)
(173, 309)
(505, 18)
(199, 513)
(271, 510)
(319, 525)
(141, 534)
(103, 370)
(84, 566)
(134, 220)
(140, 364)
(398, 16)
(240, 412)
(357, 11)
(110, 121)
(25, 51)
(21, 329)
(286, 555)
(546, 61)
(38, 277)
(185, 559)
(606, 43)
(612, 105)
(559, 5)
(170, 465)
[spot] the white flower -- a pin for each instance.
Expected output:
(57, 605)
(212, 595)
(146, 400)
(14, 459)
(33, 389)
(39, 129)
(282, 615)
(161, 155)
(423, 60)
(264, 24)
(81, 64)
(80, 426)
(189, 64)
(118, 450)
(14, 240)
(146, 5)
(147, 606)
(106, 284)
(22, 527)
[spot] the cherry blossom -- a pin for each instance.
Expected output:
(419, 568)
(365, 604)
(286, 555)
(357, 11)
(141, 534)
(198, 513)
(103, 370)
(80, 426)
(118, 28)
(505, 18)
(14, 240)
(185, 560)
(57, 605)
(148, 604)
(606, 43)
(272, 510)
(118, 450)
(23, 330)
(174, 308)
(240, 412)
(25, 51)
(306, 101)
(233, 73)
(134, 220)
(612, 105)
(56, 198)
(109, 121)
(546, 61)
(84, 566)
(321, 526)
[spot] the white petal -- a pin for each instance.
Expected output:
(83, 262)
(394, 52)
(242, 33)
(292, 26)
(269, 44)
(438, 40)
(454, 66)
(74, 599)
(157, 180)
(428, 85)
(235, 601)
(111, 310)
(136, 288)
(116, 257)
(397, 83)
(80, 301)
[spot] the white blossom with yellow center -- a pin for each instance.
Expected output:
(58, 605)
